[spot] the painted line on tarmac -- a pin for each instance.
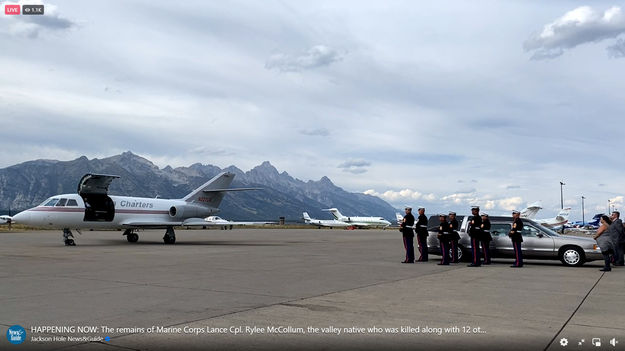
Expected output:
(573, 314)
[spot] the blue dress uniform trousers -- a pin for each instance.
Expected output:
(454, 251)
(409, 246)
(475, 250)
(444, 251)
(518, 254)
(423, 247)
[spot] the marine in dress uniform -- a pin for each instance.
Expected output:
(486, 238)
(444, 239)
(408, 235)
(422, 235)
(475, 233)
(455, 237)
(517, 238)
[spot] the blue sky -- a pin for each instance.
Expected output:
(438, 103)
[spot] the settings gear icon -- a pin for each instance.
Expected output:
(564, 342)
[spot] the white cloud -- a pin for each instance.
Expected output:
(511, 203)
(581, 25)
(316, 56)
(401, 195)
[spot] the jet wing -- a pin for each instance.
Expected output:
(95, 183)
(190, 222)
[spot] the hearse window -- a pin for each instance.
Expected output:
(529, 231)
(51, 202)
(499, 229)
(61, 203)
(71, 202)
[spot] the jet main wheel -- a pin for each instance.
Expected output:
(132, 237)
(70, 242)
(169, 239)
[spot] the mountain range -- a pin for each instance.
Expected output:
(27, 184)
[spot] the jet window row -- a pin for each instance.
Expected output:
(60, 202)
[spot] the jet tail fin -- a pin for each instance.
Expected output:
(563, 215)
(399, 217)
(306, 217)
(212, 192)
(337, 215)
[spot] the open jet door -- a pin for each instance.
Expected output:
(93, 188)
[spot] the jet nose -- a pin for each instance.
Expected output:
(22, 217)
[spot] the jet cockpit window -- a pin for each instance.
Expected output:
(61, 202)
(50, 202)
(71, 202)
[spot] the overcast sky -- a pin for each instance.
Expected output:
(438, 103)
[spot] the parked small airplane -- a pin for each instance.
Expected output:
(324, 222)
(359, 221)
(225, 224)
(559, 220)
(592, 224)
(92, 207)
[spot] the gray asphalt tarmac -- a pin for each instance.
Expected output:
(267, 289)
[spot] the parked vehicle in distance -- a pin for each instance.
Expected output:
(539, 242)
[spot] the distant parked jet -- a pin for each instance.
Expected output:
(224, 223)
(363, 222)
(560, 219)
(324, 222)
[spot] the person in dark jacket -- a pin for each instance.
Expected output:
(486, 238)
(517, 238)
(455, 236)
(422, 235)
(444, 239)
(475, 233)
(619, 231)
(408, 235)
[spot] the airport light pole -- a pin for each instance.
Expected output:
(561, 196)
(583, 222)
(608, 206)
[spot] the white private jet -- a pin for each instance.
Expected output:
(531, 210)
(560, 219)
(225, 224)
(363, 222)
(92, 207)
(324, 222)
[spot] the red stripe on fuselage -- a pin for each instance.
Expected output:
(67, 209)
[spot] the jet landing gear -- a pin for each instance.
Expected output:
(68, 237)
(170, 236)
(131, 236)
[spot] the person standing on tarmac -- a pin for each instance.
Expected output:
(486, 238)
(408, 235)
(619, 231)
(443, 237)
(475, 233)
(455, 237)
(517, 238)
(422, 235)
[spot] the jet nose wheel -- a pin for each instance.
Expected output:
(70, 242)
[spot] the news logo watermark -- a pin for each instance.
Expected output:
(16, 334)
(13, 9)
